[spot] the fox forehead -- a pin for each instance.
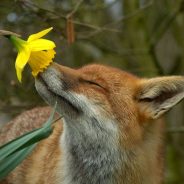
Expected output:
(112, 79)
(102, 71)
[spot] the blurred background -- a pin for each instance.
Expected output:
(145, 37)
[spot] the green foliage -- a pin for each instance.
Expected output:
(15, 151)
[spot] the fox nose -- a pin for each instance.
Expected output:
(67, 76)
(59, 78)
(64, 71)
(52, 79)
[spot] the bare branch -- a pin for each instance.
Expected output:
(123, 18)
(75, 9)
(30, 4)
(131, 15)
(98, 29)
(8, 33)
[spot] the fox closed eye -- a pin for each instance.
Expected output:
(95, 84)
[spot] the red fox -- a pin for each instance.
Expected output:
(111, 131)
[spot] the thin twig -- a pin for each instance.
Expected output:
(32, 5)
(8, 33)
(75, 9)
(121, 19)
(131, 15)
(97, 28)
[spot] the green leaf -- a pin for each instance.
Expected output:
(11, 162)
(23, 141)
(28, 138)
(13, 152)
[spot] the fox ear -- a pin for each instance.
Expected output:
(157, 95)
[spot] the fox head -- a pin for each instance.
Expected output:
(102, 92)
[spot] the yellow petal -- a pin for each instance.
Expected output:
(21, 61)
(40, 60)
(39, 34)
(41, 44)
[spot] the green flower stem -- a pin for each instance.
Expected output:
(18, 42)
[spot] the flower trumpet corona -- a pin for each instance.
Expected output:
(37, 52)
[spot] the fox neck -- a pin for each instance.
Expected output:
(91, 153)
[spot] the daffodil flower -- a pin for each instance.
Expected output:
(37, 52)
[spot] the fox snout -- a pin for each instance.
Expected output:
(53, 87)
